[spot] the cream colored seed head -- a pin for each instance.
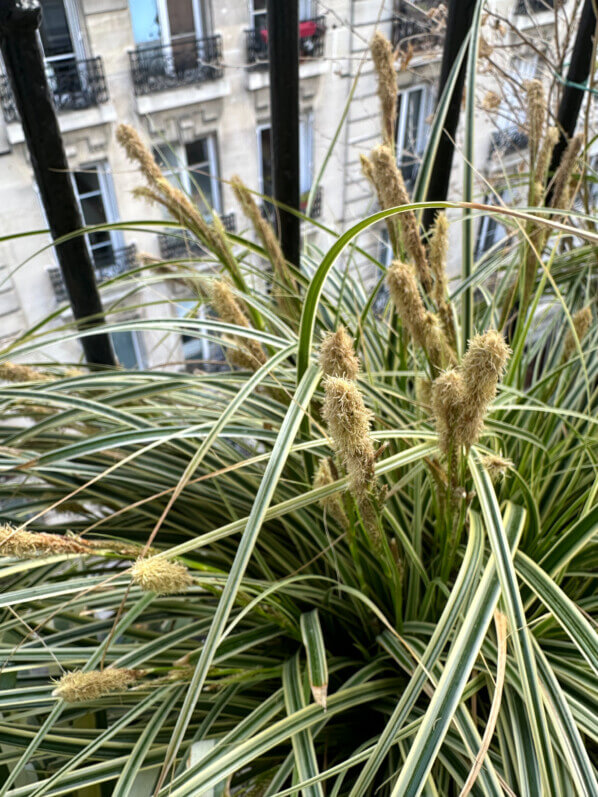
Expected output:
(337, 356)
(423, 326)
(14, 372)
(29, 544)
(484, 365)
(332, 503)
(288, 288)
(448, 395)
(391, 189)
(225, 304)
(137, 151)
(349, 422)
(346, 415)
(250, 354)
(560, 195)
(545, 154)
(383, 58)
(438, 255)
(582, 321)
(496, 466)
(161, 576)
(536, 113)
(78, 686)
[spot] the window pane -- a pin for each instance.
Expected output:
(56, 37)
(412, 126)
(180, 17)
(201, 184)
(146, 23)
(103, 255)
(305, 155)
(96, 238)
(197, 152)
(124, 347)
(87, 182)
(266, 148)
(167, 158)
(93, 210)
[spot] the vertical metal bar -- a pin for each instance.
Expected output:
(458, 23)
(577, 75)
(23, 58)
(283, 52)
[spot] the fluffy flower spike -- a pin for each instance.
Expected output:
(337, 356)
(78, 686)
(383, 58)
(158, 575)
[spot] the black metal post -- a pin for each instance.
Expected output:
(579, 72)
(458, 23)
(23, 58)
(283, 53)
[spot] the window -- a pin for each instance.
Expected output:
(491, 230)
(63, 46)
(259, 12)
(55, 31)
(306, 149)
(199, 352)
(512, 112)
(95, 194)
(194, 168)
(128, 349)
(175, 22)
(413, 106)
(259, 16)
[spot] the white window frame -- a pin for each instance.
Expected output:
(184, 178)
(513, 115)
(482, 245)
(138, 348)
(165, 22)
(253, 13)
(108, 195)
(74, 25)
(403, 119)
(306, 144)
(260, 154)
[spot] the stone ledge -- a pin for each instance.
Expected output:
(256, 79)
(178, 98)
(69, 121)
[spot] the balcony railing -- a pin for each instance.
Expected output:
(75, 85)
(179, 244)
(181, 63)
(312, 34)
(316, 208)
(411, 25)
(108, 266)
(512, 139)
(533, 6)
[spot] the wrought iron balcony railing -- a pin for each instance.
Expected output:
(181, 63)
(533, 6)
(512, 139)
(412, 26)
(316, 208)
(108, 265)
(312, 34)
(75, 85)
(178, 244)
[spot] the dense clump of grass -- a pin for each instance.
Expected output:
(281, 577)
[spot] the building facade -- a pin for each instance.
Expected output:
(192, 76)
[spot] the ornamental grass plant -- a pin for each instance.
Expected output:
(359, 560)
